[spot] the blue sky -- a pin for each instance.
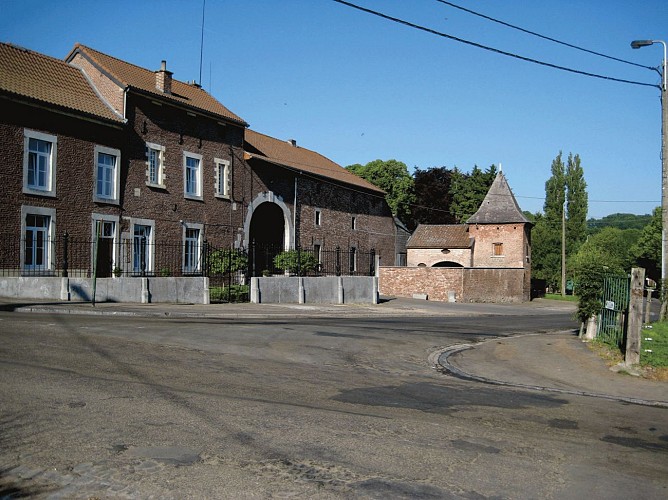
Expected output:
(355, 87)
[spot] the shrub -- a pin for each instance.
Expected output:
(293, 261)
(224, 261)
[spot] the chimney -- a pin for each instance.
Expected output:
(163, 79)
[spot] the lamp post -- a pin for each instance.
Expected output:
(637, 44)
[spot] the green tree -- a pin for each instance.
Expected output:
(621, 221)
(546, 235)
(545, 261)
(613, 245)
(392, 177)
(576, 205)
(433, 196)
(590, 268)
(647, 249)
(555, 192)
(469, 190)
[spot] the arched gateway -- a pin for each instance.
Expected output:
(267, 231)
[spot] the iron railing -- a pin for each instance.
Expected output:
(138, 257)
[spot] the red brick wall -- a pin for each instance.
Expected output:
(469, 285)
(102, 82)
(514, 241)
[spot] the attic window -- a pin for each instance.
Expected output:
(498, 250)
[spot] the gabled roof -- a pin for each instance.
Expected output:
(25, 74)
(295, 157)
(499, 205)
(138, 78)
(440, 236)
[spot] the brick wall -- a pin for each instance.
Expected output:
(512, 236)
(469, 284)
(111, 91)
(76, 140)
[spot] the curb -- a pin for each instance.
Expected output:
(439, 360)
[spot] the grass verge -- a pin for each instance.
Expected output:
(654, 350)
(558, 296)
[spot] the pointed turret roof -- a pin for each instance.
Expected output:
(499, 205)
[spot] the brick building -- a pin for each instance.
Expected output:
(488, 259)
(95, 145)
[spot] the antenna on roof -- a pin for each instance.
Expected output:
(201, 47)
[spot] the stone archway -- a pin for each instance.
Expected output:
(267, 231)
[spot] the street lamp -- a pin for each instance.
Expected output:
(637, 44)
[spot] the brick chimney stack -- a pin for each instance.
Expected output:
(163, 79)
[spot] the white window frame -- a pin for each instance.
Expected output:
(188, 269)
(222, 176)
(49, 189)
(49, 265)
(353, 222)
(150, 245)
(317, 221)
(197, 194)
(102, 218)
(158, 178)
(116, 175)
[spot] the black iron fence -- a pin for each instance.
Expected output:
(139, 257)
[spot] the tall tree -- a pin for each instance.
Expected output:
(647, 250)
(577, 205)
(555, 192)
(469, 190)
(392, 177)
(545, 261)
(546, 237)
(433, 196)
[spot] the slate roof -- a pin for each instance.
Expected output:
(283, 153)
(25, 74)
(499, 205)
(440, 236)
(136, 77)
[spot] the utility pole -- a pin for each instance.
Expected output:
(563, 248)
(636, 44)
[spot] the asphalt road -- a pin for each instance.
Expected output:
(329, 407)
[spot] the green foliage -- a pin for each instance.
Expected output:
(392, 177)
(613, 245)
(576, 205)
(647, 249)
(590, 270)
(233, 293)
(293, 261)
(469, 190)
(658, 358)
(620, 221)
(546, 252)
(555, 192)
(224, 261)
(433, 197)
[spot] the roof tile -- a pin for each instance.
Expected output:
(298, 158)
(28, 74)
(440, 236)
(143, 79)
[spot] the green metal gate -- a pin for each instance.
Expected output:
(612, 319)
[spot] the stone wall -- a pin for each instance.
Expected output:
(495, 285)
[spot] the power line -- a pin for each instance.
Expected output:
(491, 49)
(543, 36)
